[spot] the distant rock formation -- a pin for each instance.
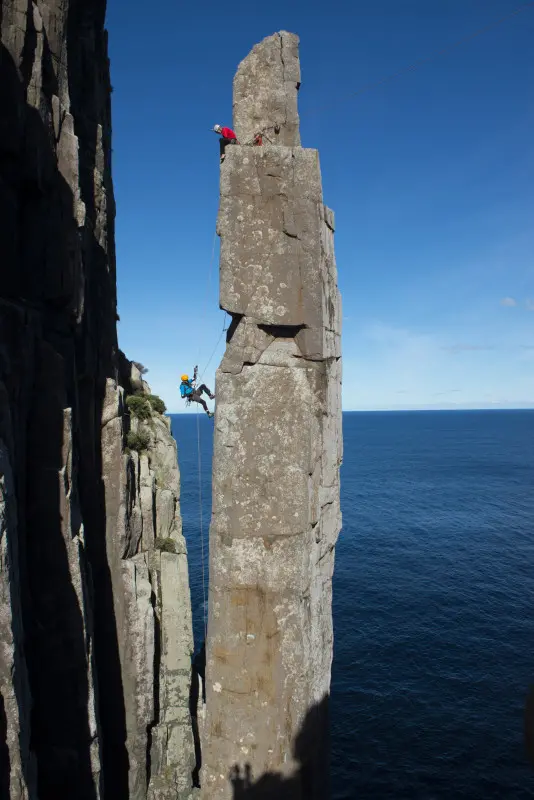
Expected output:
(277, 452)
(95, 616)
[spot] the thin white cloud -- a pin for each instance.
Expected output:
(430, 368)
(529, 303)
(465, 348)
(509, 302)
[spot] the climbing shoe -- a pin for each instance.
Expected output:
(211, 396)
(210, 414)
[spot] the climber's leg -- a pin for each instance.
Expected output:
(204, 388)
(196, 398)
(222, 144)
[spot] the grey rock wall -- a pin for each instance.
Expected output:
(95, 617)
(147, 555)
(265, 91)
(277, 451)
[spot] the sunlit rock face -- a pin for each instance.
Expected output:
(277, 451)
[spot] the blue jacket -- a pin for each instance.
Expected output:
(186, 388)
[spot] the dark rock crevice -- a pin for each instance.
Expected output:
(282, 331)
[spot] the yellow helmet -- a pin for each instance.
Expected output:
(185, 377)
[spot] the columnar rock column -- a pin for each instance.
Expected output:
(277, 451)
(95, 615)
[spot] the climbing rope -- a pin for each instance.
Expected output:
(200, 514)
(210, 272)
(199, 450)
(201, 529)
(224, 329)
(200, 501)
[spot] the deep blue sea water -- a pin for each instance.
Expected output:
(433, 601)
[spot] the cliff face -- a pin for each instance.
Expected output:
(95, 618)
(277, 452)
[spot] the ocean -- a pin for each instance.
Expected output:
(433, 600)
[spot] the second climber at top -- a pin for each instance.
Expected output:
(227, 137)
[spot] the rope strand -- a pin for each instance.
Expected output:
(215, 348)
(201, 528)
(208, 289)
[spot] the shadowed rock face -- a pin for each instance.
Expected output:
(277, 452)
(95, 621)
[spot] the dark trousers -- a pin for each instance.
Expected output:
(196, 397)
(223, 142)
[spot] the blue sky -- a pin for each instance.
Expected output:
(431, 177)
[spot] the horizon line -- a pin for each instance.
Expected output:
(401, 410)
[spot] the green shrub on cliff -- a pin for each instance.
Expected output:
(167, 545)
(157, 403)
(139, 406)
(141, 367)
(138, 441)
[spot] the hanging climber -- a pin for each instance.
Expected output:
(227, 137)
(193, 393)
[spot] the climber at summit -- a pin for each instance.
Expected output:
(227, 137)
(192, 393)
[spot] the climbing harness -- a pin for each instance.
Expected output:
(257, 139)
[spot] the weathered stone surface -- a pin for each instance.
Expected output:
(16, 779)
(82, 595)
(137, 657)
(172, 741)
(267, 223)
(151, 604)
(265, 91)
(277, 451)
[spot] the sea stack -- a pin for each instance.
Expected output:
(277, 450)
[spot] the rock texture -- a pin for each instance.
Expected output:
(265, 91)
(147, 556)
(95, 618)
(277, 452)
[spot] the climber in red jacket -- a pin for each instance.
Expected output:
(227, 137)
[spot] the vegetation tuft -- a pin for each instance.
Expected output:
(142, 369)
(138, 441)
(157, 403)
(139, 406)
(167, 545)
